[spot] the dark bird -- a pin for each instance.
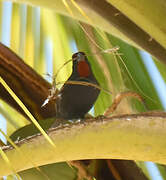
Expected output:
(75, 100)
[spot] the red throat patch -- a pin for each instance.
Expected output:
(83, 69)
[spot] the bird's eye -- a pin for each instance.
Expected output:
(74, 57)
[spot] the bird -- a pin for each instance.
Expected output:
(75, 100)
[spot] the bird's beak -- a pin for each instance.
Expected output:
(80, 57)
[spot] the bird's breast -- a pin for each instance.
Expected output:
(76, 100)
